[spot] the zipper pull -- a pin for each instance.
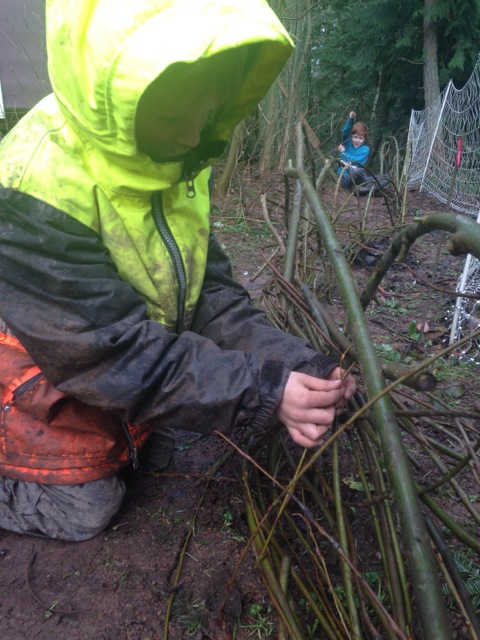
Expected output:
(191, 193)
(131, 446)
(134, 457)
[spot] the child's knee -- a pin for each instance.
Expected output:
(79, 512)
(72, 512)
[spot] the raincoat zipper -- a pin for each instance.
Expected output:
(190, 184)
(25, 386)
(131, 447)
(174, 251)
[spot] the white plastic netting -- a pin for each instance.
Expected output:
(445, 164)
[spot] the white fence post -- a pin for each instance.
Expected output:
(446, 91)
(461, 289)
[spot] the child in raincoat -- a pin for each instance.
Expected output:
(121, 321)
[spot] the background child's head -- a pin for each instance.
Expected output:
(359, 130)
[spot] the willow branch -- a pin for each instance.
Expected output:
(420, 556)
(464, 238)
(421, 380)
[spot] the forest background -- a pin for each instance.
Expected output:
(380, 58)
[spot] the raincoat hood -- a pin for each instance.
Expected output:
(76, 150)
(104, 53)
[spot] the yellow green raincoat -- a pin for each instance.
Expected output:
(109, 277)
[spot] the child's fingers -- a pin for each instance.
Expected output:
(308, 435)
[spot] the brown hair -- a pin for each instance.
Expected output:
(361, 129)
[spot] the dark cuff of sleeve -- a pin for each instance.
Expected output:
(273, 378)
(320, 366)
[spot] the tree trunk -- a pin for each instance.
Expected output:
(303, 38)
(223, 183)
(431, 83)
(268, 130)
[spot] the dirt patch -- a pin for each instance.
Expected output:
(184, 531)
(117, 585)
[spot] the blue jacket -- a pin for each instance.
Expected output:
(352, 154)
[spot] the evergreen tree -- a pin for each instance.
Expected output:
(369, 56)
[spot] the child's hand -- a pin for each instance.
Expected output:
(341, 148)
(353, 115)
(349, 384)
(309, 405)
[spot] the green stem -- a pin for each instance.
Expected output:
(386, 534)
(421, 561)
(457, 530)
(465, 238)
(343, 539)
(272, 584)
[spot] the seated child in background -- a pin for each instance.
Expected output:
(353, 151)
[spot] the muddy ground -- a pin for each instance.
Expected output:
(180, 534)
